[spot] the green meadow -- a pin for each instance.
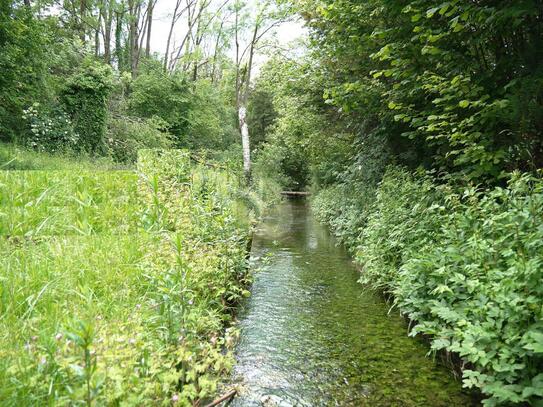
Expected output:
(118, 287)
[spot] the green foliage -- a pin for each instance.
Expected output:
(126, 136)
(49, 131)
(195, 114)
(154, 93)
(85, 98)
(463, 264)
(118, 286)
(24, 42)
(261, 115)
(457, 80)
(14, 157)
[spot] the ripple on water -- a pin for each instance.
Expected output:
(311, 336)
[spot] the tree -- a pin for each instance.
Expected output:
(267, 17)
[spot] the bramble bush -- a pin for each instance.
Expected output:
(465, 265)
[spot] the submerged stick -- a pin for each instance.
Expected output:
(227, 396)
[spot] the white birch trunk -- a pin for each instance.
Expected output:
(245, 141)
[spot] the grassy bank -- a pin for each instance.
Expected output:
(14, 157)
(465, 265)
(118, 286)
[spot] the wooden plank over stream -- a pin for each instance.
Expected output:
(295, 193)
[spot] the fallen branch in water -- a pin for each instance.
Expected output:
(227, 396)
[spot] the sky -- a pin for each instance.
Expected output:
(287, 32)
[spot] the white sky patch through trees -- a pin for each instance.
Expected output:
(284, 34)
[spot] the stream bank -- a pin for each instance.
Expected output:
(312, 336)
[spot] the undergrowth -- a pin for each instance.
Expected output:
(118, 288)
(465, 265)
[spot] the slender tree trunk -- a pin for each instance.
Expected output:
(118, 39)
(216, 52)
(82, 16)
(108, 22)
(242, 109)
(97, 31)
(132, 36)
(150, 8)
(245, 141)
(170, 33)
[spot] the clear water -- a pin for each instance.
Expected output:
(312, 336)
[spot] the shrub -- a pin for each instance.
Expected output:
(49, 131)
(126, 136)
(345, 210)
(119, 286)
(476, 287)
(85, 98)
(466, 267)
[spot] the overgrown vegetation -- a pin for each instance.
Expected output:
(418, 127)
(118, 286)
(416, 124)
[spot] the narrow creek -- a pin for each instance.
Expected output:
(312, 336)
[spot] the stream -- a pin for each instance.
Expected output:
(312, 336)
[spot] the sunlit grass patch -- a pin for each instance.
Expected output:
(41, 203)
(117, 286)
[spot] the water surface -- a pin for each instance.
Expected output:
(312, 336)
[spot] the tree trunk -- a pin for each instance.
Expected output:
(242, 108)
(150, 8)
(108, 22)
(175, 17)
(82, 15)
(132, 37)
(216, 52)
(245, 141)
(118, 40)
(97, 32)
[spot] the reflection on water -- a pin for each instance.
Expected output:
(311, 336)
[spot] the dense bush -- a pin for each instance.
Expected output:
(464, 265)
(85, 97)
(49, 131)
(344, 211)
(126, 136)
(25, 46)
(457, 84)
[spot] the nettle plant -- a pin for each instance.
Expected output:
(49, 131)
(466, 266)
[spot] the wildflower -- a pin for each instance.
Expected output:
(190, 302)
(175, 398)
(58, 336)
(132, 341)
(43, 360)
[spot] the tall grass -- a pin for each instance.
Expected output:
(116, 287)
(14, 157)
